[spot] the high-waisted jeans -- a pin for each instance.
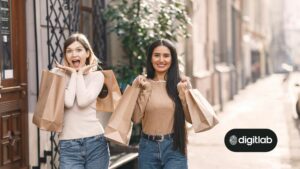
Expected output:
(160, 155)
(84, 153)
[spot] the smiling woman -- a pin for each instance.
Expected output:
(162, 110)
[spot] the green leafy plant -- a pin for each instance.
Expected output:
(138, 23)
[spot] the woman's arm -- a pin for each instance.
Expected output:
(140, 107)
(70, 91)
(182, 88)
(71, 86)
(143, 98)
(86, 94)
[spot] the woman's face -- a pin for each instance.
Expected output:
(161, 59)
(76, 55)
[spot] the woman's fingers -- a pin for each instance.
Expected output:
(66, 68)
(185, 78)
(139, 80)
(142, 80)
(186, 81)
(183, 85)
(136, 81)
(57, 64)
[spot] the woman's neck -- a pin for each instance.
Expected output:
(159, 77)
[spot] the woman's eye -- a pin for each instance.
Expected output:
(166, 55)
(79, 50)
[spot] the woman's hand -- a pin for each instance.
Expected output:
(66, 68)
(184, 84)
(86, 68)
(141, 81)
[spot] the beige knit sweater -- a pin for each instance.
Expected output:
(155, 109)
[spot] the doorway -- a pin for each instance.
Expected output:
(13, 86)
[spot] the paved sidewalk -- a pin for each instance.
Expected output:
(264, 104)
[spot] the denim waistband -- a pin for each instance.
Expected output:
(85, 138)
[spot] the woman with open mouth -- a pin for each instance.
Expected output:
(81, 143)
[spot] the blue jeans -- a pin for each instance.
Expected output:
(84, 153)
(160, 155)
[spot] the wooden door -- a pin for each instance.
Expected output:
(13, 86)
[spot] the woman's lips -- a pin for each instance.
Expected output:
(76, 63)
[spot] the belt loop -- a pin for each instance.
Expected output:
(161, 138)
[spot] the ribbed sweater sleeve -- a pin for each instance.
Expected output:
(140, 106)
(87, 94)
(70, 91)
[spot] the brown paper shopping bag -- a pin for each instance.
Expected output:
(119, 126)
(202, 114)
(110, 94)
(49, 111)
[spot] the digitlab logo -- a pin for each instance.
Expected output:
(250, 140)
(233, 140)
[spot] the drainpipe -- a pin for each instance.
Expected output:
(37, 80)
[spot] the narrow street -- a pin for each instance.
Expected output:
(265, 104)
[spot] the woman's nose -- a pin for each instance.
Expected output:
(161, 59)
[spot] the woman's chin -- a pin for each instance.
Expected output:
(161, 71)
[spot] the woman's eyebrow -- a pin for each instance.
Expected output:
(78, 47)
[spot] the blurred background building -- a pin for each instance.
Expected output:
(229, 46)
(291, 28)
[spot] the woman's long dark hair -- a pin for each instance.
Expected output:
(172, 78)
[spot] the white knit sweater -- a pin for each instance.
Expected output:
(81, 93)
